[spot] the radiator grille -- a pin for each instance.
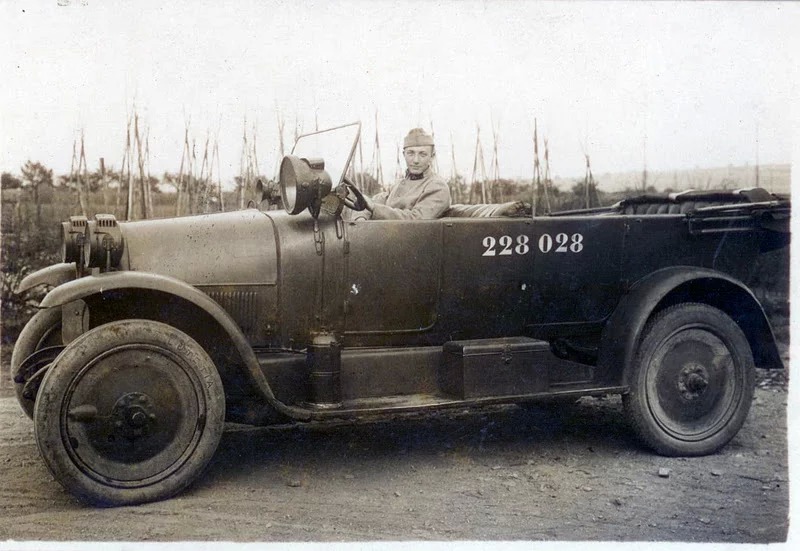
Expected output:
(243, 306)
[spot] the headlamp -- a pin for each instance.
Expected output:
(304, 184)
(73, 236)
(103, 242)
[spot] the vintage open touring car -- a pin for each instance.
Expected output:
(156, 332)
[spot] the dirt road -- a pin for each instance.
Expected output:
(504, 473)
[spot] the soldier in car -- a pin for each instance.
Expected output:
(421, 194)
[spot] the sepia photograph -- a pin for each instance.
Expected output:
(396, 274)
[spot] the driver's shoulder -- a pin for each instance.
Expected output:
(437, 182)
(438, 179)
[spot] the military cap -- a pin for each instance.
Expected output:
(416, 137)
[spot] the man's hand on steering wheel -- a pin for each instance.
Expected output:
(359, 201)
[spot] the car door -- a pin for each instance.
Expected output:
(487, 276)
(392, 278)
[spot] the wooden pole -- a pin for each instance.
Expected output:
(81, 180)
(398, 170)
(184, 158)
(547, 182)
(219, 177)
(72, 176)
(256, 170)
(377, 158)
(243, 164)
(363, 171)
(204, 177)
(192, 183)
(119, 185)
(496, 194)
(586, 183)
(456, 187)
(104, 183)
(140, 163)
(129, 206)
(537, 180)
(473, 180)
(281, 153)
(147, 165)
(479, 162)
(435, 161)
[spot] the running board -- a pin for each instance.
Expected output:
(410, 403)
(327, 381)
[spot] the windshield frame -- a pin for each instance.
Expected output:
(350, 157)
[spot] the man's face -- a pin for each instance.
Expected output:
(418, 158)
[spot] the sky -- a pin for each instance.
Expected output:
(673, 85)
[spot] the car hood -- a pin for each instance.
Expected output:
(230, 248)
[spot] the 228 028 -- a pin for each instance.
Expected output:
(506, 245)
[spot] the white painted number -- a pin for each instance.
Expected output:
(564, 243)
(489, 243)
(522, 245)
(577, 243)
(545, 243)
(507, 245)
(562, 239)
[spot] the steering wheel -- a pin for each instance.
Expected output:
(358, 203)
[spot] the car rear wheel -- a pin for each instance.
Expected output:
(692, 381)
(41, 334)
(130, 412)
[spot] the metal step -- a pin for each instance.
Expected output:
(409, 403)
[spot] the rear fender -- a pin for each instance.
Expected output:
(98, 286)
(663, 288)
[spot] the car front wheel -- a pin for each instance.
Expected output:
(692, 381)
(130, 412)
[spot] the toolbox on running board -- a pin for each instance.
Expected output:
(492, 367)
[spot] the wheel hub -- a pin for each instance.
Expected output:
(133, 415)
(692, 381)
(134, 405)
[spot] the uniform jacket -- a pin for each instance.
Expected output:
(409, 199)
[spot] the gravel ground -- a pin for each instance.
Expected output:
(503, 473)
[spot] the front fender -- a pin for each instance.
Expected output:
(623, 331)
(99, 284)
(54, 275)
